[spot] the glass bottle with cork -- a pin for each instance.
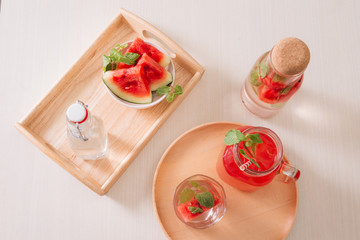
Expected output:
(86, 134)
(275, 77)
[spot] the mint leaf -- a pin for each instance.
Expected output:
(170, 97)
(254, 78)
(194, 210)
(255, 138)
(286, 90)
(195, 184)
(234, 136)
(121, 47)
(163, 90)
(178, 90)
(166, 90)
(250, 140)
(264, 68)
(110, 66)
(242, 152)
(253, 148)
(129, 58)
(110, 62)
(205, 199)
(106, 60)
(107, 63)
(186, 195)
(254, 162)
(115, 55)
(132, 56)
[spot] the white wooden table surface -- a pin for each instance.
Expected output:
(40, 40)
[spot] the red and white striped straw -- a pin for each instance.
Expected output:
(245, 165)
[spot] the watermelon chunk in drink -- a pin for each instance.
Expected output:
(183, 209)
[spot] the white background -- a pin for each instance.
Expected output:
(40, 40)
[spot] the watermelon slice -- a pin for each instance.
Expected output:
(156, 75)
(185, 212)
(129, 85)
(140, 47)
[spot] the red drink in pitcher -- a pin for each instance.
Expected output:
(268, 155)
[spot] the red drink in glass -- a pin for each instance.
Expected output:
(269, 155)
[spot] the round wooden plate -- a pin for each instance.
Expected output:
(267, 213)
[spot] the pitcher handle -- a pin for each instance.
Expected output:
(290, 172)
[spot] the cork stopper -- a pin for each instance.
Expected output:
(290, 56)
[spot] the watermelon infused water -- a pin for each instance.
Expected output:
(253, 161)
(275, 77)
(199, 201)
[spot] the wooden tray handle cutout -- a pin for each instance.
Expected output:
(149, 35)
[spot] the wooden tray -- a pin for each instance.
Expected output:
(128, 129)
(267, 213)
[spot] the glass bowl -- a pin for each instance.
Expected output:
(199, 201)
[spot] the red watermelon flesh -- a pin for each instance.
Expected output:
(140, 47)
(156, 75)
(267, 94)
(128, 84)
(185, 212)
(270, 83)
(274, 95)
(285, 97)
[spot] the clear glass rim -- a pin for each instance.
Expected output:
(279, 148)
(203, 176)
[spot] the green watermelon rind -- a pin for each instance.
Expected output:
(126, 97)
(165, 60)
(166, 80)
